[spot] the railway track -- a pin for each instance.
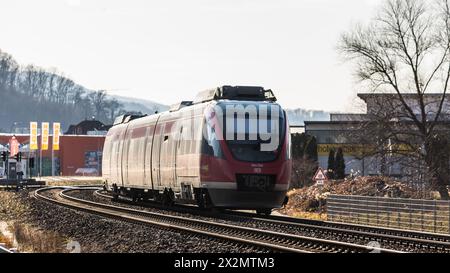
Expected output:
(261, 239)
(414, 240)
(4, 250)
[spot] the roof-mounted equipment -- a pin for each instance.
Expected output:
(126, 118)
(249, 93)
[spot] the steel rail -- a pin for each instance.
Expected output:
(261, 238)
(414, 239)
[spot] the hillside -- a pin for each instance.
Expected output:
(31, 93)
(140, 105)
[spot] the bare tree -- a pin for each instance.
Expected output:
(8, 70)
(406, 51)
(42, 80)
(86, 106)
(304, 160)
(303, 170)
(113, 107)
(64, 87)
(28, 82)
(77, 95)
(98, 100)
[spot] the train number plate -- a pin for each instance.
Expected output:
(253, 182)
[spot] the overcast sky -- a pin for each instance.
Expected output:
(168, 50)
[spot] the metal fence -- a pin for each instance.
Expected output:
(412, 214)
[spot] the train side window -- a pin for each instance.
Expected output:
(210, 144)
(206, 148)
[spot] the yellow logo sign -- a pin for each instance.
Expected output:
(33, 136)
(44, 136)
(56, 134)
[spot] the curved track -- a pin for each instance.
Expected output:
(261, 239)
(414, 240)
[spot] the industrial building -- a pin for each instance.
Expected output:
(334, 133)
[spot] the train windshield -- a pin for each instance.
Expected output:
(253, 131)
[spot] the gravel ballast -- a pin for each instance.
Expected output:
(97, 234)
(257, 224)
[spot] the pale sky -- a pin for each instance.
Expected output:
(169, 50)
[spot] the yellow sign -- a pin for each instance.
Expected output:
(33, 136)
(44, 136)
(56, 134)
(360, 149)
(347, 149)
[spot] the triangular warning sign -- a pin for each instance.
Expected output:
(320, 175)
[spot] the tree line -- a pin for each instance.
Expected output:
(336, 164)
(33, 93)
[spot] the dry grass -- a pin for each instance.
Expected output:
(309, 215)
(34, 240)
(73, 181)
(28, 238)
(298, 213)
(6, 241)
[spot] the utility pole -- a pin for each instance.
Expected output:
(40, 161)
(53, 161)
(29, 165)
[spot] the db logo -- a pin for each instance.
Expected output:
(257, 170)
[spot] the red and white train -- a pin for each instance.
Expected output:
(198, 152)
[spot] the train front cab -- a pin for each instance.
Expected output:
(237, 175)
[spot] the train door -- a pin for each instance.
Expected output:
(113, 157)
(119, 158)
(167, 157)
(176, 156)
(148, 181)
(126, 157)
(156, 152)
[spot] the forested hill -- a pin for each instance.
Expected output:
(30, 93)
